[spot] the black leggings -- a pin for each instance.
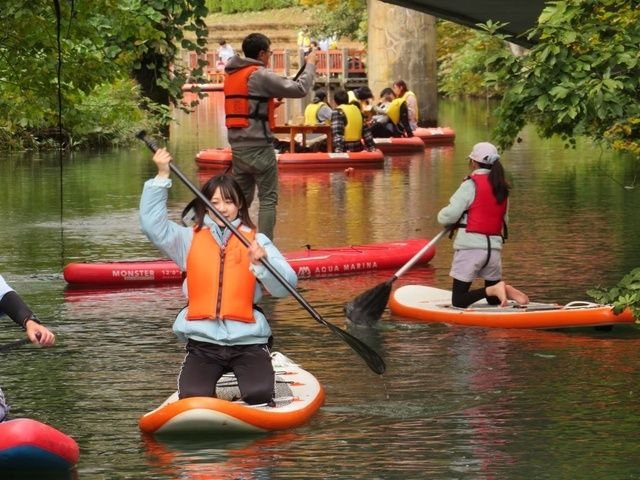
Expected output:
(206, 362)
(462, 297)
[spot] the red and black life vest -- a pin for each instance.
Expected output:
(485, 215)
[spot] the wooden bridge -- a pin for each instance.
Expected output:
(340, 68)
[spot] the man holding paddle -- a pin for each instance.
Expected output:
(12, 305)
(251, 90)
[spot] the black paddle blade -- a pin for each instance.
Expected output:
(371, 358)
(367, 308)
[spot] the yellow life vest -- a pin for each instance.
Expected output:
(220, 285)
(393, 112)
(353, 128)
(311, 113)
(406, 95)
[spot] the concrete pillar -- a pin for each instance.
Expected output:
(402, 45)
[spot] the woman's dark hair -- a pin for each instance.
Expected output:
(386, 91)
(364, 93)
(402, 85)
(319, 96)
(254, 43)
(229, 189)
(498, 180)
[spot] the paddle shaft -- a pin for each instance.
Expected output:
(418, 255)
(373, 360)
(297, 75)
(300, 70)
(12, 345)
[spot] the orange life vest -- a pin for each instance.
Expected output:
(237, 100)
(485, 215)
(220, 285)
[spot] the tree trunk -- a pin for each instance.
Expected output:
(402, 45)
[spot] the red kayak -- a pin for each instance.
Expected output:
(435, 135)
(221, 157)
(309, 263)
(27, 445)
(399, 145)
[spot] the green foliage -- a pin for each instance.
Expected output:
(581, 78)
(238, 6)
(626, 294)
(110, 115)
(346, 19)
(97, 44)
(462, 57)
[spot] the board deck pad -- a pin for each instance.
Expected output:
(227, 389)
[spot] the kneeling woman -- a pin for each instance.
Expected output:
(223, 328)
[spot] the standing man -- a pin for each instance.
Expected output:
(251, 90)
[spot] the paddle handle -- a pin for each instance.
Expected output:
(297, 75)
(300, 70)
(153, 146)
(419, 255)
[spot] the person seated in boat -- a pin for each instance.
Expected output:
(232, 333)
(12, 305)
(364, 96)
(402, 92)
(348, 127)
(380, 108)
(391, 116)
(478, 212)
(318, 112)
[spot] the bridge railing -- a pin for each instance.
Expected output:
(341, 67)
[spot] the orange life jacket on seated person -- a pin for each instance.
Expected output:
(220, 285)
(237, 103)
(485, 215)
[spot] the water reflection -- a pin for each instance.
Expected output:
(454, 403)
(218, 459)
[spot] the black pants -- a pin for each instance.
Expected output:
(462, 297)
(206, 362)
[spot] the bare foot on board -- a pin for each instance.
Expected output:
(498, 290)
(516, 295)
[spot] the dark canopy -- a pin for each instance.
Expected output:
(521, 15)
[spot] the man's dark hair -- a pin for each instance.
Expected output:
(254, 43)
(341, 97)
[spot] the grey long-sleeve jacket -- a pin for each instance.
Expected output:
(265, 83)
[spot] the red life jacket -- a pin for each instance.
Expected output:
(237, 100)
(485, 215)
(220, 285)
